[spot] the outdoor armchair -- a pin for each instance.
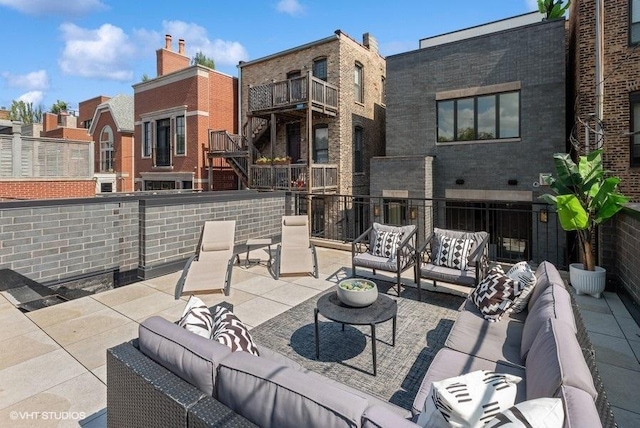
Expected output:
(211, 266)
(450, 265)
(296, 253)
(385, 248)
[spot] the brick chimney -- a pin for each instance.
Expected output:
(168, 61)
(370, 42)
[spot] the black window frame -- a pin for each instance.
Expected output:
(358, 88)
(146, 139)
(317, 150)
(475, 118)
(358, 150)
(631, 24)
(181, 143)
(634, 128)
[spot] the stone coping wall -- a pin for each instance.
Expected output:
(626, 260)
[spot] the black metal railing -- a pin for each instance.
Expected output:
(518, 230)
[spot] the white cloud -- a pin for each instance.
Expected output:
(102, 53)
(36, 80)
(48, 7)
(532, 5)
(34, 97)
(292, 7)
(196, 39)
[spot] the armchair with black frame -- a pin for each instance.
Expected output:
(453, 256)
(385, 248)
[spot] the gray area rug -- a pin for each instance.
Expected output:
(345, 356)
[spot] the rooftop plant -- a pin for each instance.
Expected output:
(552, 9)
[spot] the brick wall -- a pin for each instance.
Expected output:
(139, 236)
(87, 108)
(620, 70)
(533, 55)
(46, 189)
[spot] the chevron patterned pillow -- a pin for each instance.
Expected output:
(525, 282)
(230, 331)
(197, 318)
(468, 400)
(453, 252)
(494, 295)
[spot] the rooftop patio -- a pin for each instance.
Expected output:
(52, 360)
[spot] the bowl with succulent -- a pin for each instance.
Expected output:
(357, 292)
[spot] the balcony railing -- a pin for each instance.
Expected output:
(293, 177)
(292, 94)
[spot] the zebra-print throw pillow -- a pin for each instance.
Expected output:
(230, 331)
(540, 412)
(469, 400)
(197, 318)
(525, 280)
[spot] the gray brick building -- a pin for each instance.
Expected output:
(475, 117)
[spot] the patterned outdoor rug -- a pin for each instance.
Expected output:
(345, 356)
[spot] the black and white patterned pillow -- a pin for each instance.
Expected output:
(453, 252)
(540, 412)
(494, 295)
(468, 400)
(230, 331)
(525, 282)
(386, 244)
(197, 318)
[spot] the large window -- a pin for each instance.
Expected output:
(321, 144)
(106, 149)
(358, 156)
(486, 117)
(635, 129)
(180, 142)
(320, 68)
(358, 87)
(146, 139)
(634, 22)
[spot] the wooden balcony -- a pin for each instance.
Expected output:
(293, 95)
(293, 177)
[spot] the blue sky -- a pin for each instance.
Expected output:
(73, 50)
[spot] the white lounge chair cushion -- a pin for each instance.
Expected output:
(215, 246)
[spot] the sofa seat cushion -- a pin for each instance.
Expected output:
(556, 359)
(380, 417)
(449, 363)
(553, 302)
(189, 356)
(446, 274)
(370, 261)
(579, 408)
(276, 396)
(493, 341)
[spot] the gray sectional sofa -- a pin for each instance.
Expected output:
(171, 377)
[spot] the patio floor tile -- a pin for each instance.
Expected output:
(63, 405)
(625, 419)
(257, 285)
(614, 351)
(14, 323)
(38, 374)
(65, 311)
(316, 283)
(601, 323)
(235, 297)
(629, 328)
(590, 303)
(101, 373)
(145, 306)
(91, 351)
(165, 283)
(291, 294)
(617, 307)
(621, 385)
(258, 310)
(18, 349)
(124, 294)
(71, 331)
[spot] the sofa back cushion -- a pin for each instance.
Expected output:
(546, 274)
(556, 359)
(579, 408)
(553, 302)
(189, 356)
(272, 395)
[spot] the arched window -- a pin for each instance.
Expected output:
(106, 149)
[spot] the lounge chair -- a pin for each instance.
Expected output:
(468, 272)
(386, 248)
(296, 254)
(210, 268)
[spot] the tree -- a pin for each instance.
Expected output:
(59, 106)
(25, 112)
(145, 77)
(552, 9)
(202, 59)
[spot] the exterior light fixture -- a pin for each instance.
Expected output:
(543, 215)
(413, 213)
(460, 181)
(376, 210)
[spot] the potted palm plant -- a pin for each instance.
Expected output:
(585, 197)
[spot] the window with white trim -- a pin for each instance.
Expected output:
(358, 86)
(483, 117)
(321, 144)
(106, 149)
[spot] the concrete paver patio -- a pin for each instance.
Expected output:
(53, 360)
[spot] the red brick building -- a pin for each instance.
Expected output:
(606, 83)
(174, 114)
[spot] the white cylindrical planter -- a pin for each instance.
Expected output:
(586, 281)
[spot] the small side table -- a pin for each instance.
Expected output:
(258, 243)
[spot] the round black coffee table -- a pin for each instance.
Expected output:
(383, 309)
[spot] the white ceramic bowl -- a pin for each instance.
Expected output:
(356, 296)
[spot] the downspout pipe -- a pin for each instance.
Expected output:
(599, 75)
